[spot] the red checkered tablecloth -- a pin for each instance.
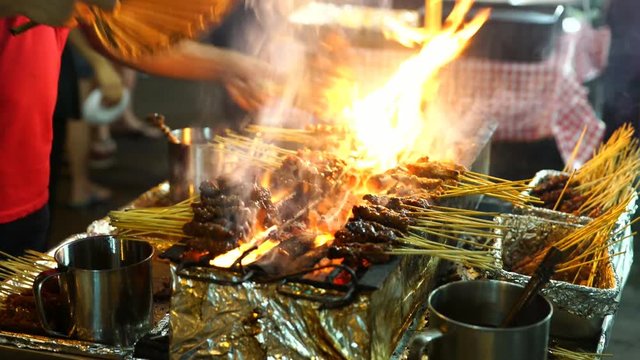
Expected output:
(533, 101)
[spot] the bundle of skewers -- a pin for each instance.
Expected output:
(17, 304)
(601, 183)
(317, 190)
(19, 272)
(586, 251)
(560, 353)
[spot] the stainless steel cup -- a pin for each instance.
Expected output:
(107, 283)
(191, 161)
(464, 318)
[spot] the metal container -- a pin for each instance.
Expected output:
(108, 286)
(191, 161)
(464, 320)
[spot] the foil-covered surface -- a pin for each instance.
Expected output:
(154, 197)
(84, 348)
(256, 321)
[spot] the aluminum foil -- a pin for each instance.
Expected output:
(83, 348)
(255, 321)
(526, 234)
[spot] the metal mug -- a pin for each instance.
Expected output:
(464, 318)
(108, 288)
(191, 161)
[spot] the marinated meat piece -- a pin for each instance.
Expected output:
(436, 170)
(361, 231)
(214, 247)
(382, 216)
(377, 199)
(18, 313)
(553, 183)
(210, 230)
(267, 214)
(374, 253)
(418, 202)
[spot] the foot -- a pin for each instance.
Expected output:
(88, 196)
(103, 154)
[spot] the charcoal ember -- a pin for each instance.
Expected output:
(354, 252)
(362, 231)
(382, 215)
(436, 170)
(280, 260)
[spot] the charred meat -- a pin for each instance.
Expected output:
(226, 213)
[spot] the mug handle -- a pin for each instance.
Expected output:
(37, 294)
(420, 342)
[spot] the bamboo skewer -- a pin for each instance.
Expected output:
(560, 353)
(19, 272)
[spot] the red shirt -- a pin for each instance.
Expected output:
(29, 70)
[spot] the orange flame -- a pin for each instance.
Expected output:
(229, 258)
(389, 124)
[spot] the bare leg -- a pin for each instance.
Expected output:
(83, 191)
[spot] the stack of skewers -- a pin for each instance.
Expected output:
(397, 215)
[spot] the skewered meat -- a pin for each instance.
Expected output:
(550, 190)
(226, 213)
(436, 170)
(18, 313)
(353, 252)
(361, 231)
(382, 216)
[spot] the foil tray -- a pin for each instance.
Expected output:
(582, 315)
(255, 321)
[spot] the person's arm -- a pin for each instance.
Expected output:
(107, 77)
(244, 77)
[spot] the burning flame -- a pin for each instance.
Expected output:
(229, 258)
(389, 124)
(386, 127)
(322, 239)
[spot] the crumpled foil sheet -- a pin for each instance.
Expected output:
(154, 197)
(255, 321)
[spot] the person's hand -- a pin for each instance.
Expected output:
(248, 81)
(55, 12)
(109, 81)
